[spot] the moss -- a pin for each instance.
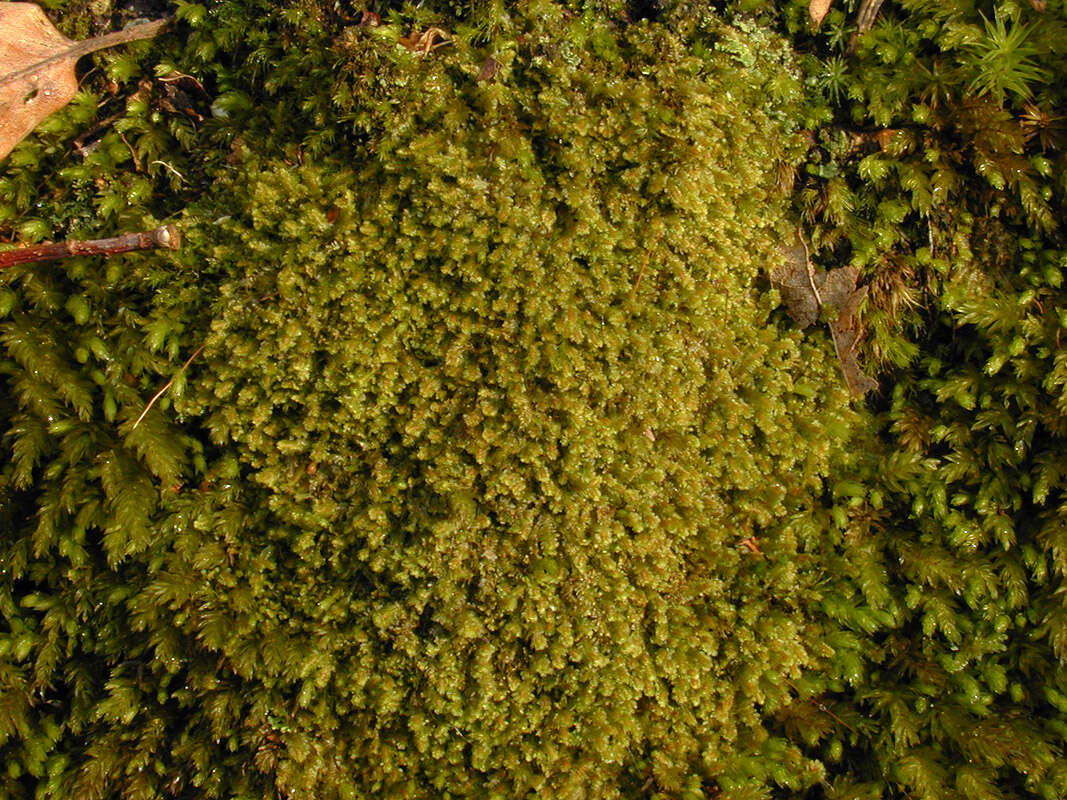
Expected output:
(455, 499)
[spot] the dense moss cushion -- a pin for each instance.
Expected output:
(503, 468)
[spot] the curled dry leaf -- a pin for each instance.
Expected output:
(37, 67)
(794, 284)
(751, 543)
(831, 294)
(845, 341)
(838, 292)
(489, 70)
(817, 10)
(427, 40)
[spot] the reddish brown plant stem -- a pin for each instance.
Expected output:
(166, 236)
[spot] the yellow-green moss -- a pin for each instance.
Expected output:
(493, 478)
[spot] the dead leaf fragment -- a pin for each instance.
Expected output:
(845, 342)
(817, 10)
(793, 283)
(807, 294)
(489, 70)
(37, 67)
(838, 291)
(429, 39)
(751, 543)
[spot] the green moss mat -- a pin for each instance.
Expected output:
(493, 476)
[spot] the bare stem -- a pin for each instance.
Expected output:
(864, 20)
(167, 385)
(810, 267)
(166, 236)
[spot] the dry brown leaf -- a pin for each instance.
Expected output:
(807, 294)
(751, 543)
(846, 340)
(792, 282)
(423, 43)
(817, 10)
(37, 67)
(837, 289)
(489, 70)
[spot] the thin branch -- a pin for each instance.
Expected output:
(864, 20)
(133, 153)
(166, 236)
(644, 264)
(167, 385)
(810, 268)
(80, 142)
(821, 706)
(169, 167)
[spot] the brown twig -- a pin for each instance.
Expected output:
(864, 20)
(181, 76)
(820, 705)
(641, 271)
(166, 236)
(167, 385)
(80, 142)
(133, 153)
(810, 267)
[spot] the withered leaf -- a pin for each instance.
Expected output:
(817, 10)
(794, 284)
(807, 293)
(37, 67)
(845, 341)
(425, 41)
(489, 70)
(837, 289)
